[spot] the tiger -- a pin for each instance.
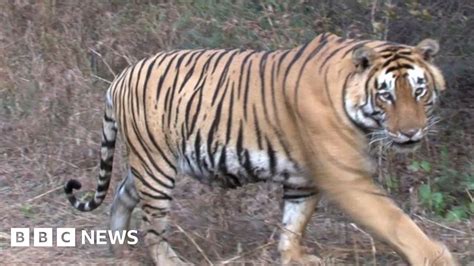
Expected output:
(300, 117)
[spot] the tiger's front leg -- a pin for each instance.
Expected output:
(299, 206)
(358, 196)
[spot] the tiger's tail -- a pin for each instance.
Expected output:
(109, 134)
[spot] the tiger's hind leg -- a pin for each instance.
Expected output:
(125, 200)
(299, 206)
(154, 187)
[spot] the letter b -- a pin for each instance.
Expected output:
(43, 237)
(20, 237)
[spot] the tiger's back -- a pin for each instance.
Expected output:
(217, 125)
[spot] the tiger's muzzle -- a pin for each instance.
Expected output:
(407, 140)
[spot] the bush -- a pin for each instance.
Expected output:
(449, 192)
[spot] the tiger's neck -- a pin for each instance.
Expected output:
(313, 92)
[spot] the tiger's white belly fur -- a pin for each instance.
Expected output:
(239, 170)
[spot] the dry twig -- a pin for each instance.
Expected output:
(374, 250)
(194, 243)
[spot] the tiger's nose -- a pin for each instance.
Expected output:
(412, 133)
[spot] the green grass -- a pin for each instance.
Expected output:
(448, 192)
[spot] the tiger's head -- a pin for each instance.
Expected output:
(393, 91)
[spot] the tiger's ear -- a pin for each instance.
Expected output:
(363, 57)
(428, 48)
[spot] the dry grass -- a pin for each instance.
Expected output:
(56, 58)
(230, 227)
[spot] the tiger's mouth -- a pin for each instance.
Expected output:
(407, 146)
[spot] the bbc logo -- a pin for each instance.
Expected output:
(66, 237)
(43, 237)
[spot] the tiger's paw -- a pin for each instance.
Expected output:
(442, 257)
(297, 257)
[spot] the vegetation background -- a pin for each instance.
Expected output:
(58, 57)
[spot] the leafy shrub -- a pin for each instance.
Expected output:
(449, 193)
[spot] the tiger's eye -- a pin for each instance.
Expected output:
(386, 96)
(419, 91)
